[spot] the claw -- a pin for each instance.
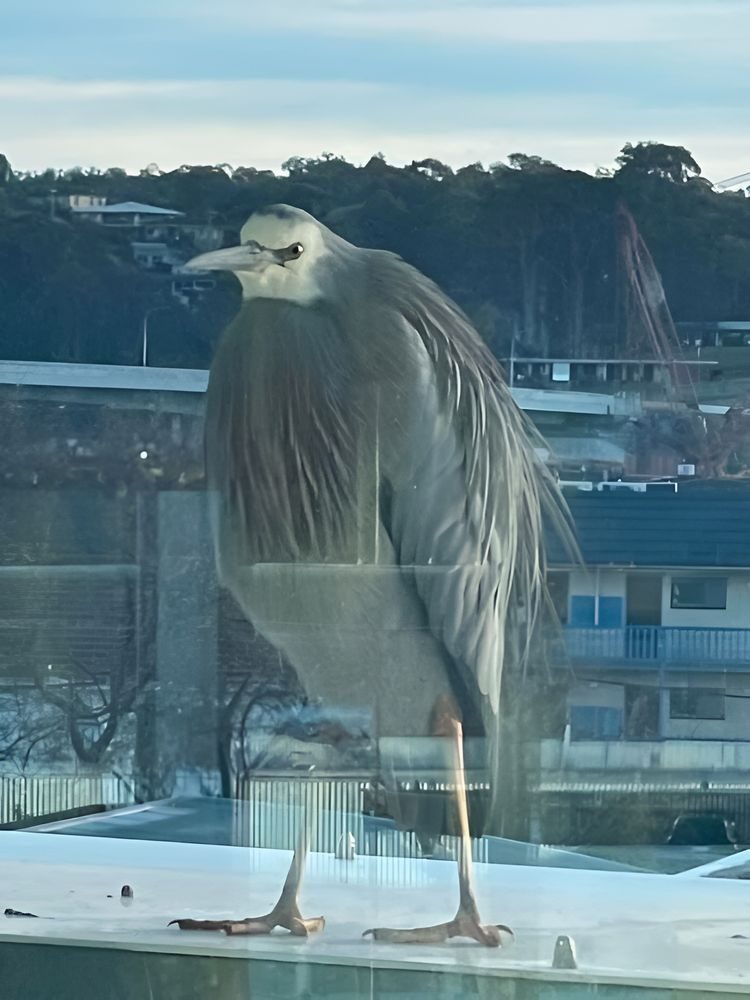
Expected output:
(285, 914)
(186, 924)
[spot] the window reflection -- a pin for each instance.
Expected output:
(254, 627)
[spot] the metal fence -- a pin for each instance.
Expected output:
(272, 810)
(653, 643)
(600, 813)
(25, 797)
(269, 811)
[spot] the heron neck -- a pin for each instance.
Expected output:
(279, 283)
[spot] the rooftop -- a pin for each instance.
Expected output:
(703, 524)
(124, 208)
(519, 359)
(82, 376)
(566, 401)
(75, 376)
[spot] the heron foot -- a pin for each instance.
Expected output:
(284, 914)
(464, 924)
(288, 917)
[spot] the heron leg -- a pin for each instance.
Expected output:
(286, 912)
(466, 922)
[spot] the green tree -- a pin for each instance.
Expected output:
(656, 159)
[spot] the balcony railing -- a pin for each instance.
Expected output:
(691, 756)
(653, 644)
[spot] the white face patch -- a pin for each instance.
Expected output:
(296, 281)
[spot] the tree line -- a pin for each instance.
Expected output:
(531, 251)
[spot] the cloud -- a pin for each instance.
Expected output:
(513, 21)
(255, 81)
(271, 92)
(262, 122)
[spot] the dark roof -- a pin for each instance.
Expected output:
(703, 524)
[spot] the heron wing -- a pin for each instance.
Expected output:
(468, 514)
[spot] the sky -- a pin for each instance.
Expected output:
(254, 82)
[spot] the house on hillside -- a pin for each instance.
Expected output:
(81, 203)
(161, 240)
(587, 435)
(149, 222)
(126, 213)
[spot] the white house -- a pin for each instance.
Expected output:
(657, 623)
(125, 213)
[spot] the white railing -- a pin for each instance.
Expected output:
(654, 643)
(668, 755)
(272, 809)
(25, 797)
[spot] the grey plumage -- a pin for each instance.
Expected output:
(379, 500)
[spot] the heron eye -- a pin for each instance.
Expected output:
(296, 249)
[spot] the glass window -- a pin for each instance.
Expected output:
(374, 499)
(590, 722)
(696, 703)
(696, 592)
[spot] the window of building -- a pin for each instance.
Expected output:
(696, 703)
(595, 722)
(708, 592)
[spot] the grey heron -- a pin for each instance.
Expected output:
(379, 500)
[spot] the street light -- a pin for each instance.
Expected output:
(148, 312)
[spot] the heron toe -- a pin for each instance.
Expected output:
(463, 925)
(286, 912)
(289, 918)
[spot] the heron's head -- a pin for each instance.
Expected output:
(278, 256)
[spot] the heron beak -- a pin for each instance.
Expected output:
(248, 257)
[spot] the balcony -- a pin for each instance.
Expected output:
(653, 645)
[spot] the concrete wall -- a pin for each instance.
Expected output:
(669, 755)
(608, 585)
(596, 694)
(610, 693)
(736, 722)
(611, 582)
